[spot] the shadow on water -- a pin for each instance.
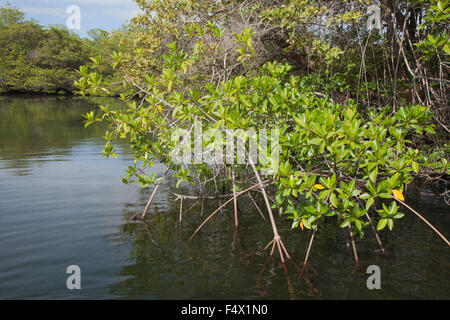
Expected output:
(218, 265)
(38, 129)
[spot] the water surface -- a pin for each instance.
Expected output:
(62, 203)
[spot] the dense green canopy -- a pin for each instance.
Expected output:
(35, 59)
(352, 106)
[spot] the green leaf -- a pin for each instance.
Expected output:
(373, 175)
(345, 223)
(316, 141)
(398, 215)
(390, 223)
(333, 200)
(369, 203)
(184, 67)
(381, 224)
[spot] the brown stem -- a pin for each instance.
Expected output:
(424, 220)
(276, 236)
(164, 177)
(273, 248)
(375, 232)
(203, 197)
(181, 211)
(154, 193)
(307, 251)
(355, 253)
(284, 249)
(268, 245)
(201, 210)
(256, 206)
(236, 222)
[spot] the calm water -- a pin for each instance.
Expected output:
(61, 203)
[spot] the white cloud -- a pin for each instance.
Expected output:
(122, 14)
(54, 12)
(91, 2)
(104, 14)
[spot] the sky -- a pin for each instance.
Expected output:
(104, 14)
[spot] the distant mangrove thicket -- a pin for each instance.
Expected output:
(37, 59)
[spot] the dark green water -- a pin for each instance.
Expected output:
(61, 203)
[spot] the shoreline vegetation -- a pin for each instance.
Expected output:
(43, 60)
(363, 112)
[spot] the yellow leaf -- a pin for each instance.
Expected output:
(301, 224)
(319, 186)
(398, 195)
(159, 108)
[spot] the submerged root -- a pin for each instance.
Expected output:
(225, 203)
(277, 242)
(276, 237)
(305, 262)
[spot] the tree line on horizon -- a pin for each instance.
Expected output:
(38, 59)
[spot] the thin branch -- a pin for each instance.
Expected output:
(307, 251)
(355, 253)
(375, 232)
(424, 220)
(256, 205)
(154, 193)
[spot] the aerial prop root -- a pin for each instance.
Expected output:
(424, 220)
(276, 237)
(238, 194)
